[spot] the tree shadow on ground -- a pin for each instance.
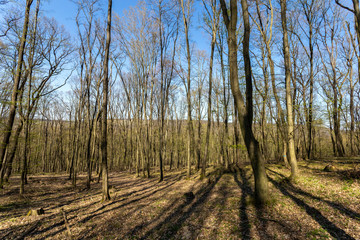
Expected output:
(245, 191)
(337, 206)
(138, 228)
(315, 214)
(265, 230)
(19, 232)
(99, 211)
(260, 211)
(170, 226)
(56, 219)
(219, 201)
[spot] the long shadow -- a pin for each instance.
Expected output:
(61, 221)
(48, 236)
(332, 229)
(60, 200)
(12, 206)
(260, 211)
(350, 213)
(316, 170)
(168, 179)
(141, 226)
(220, 203)
(47, 204)
(132, 184)
(142, 192)
(173, 179)
(123, 197)
(344, 210)
(281, 175)
(172, 223)
(245, 191)
(16, 231)
(94, 214)
(136, 192)
(52, 226)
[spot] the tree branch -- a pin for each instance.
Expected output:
(345, 7)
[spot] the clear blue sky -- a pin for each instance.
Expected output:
(64, 11)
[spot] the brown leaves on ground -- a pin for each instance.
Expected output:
(319, 205)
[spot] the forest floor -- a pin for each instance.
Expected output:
(319, 205)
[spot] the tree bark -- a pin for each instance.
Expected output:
(190, 140)
(105, 184)
(289, 106)
(14, 96)
(245, 112)
(214, 28)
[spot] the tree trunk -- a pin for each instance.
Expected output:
(214, 28)
(14, 96)
(105, 184)
(289, 106)
(9, 158)
(245, 113)
(190, 139)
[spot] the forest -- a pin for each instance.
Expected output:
(180, 119)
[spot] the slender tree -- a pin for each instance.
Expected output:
(14, 97)
(214, 15)
(289, 102)
(104, 159)
(186, 11)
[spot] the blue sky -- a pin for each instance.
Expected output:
(64, 11)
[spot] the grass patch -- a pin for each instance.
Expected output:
(319, 233)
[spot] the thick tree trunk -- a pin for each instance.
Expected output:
(245, 113)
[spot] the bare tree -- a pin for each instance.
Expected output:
(289, 102)
(186, 13)
(214, 15)
(245, 112)
(14, 96)
(104, 159)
